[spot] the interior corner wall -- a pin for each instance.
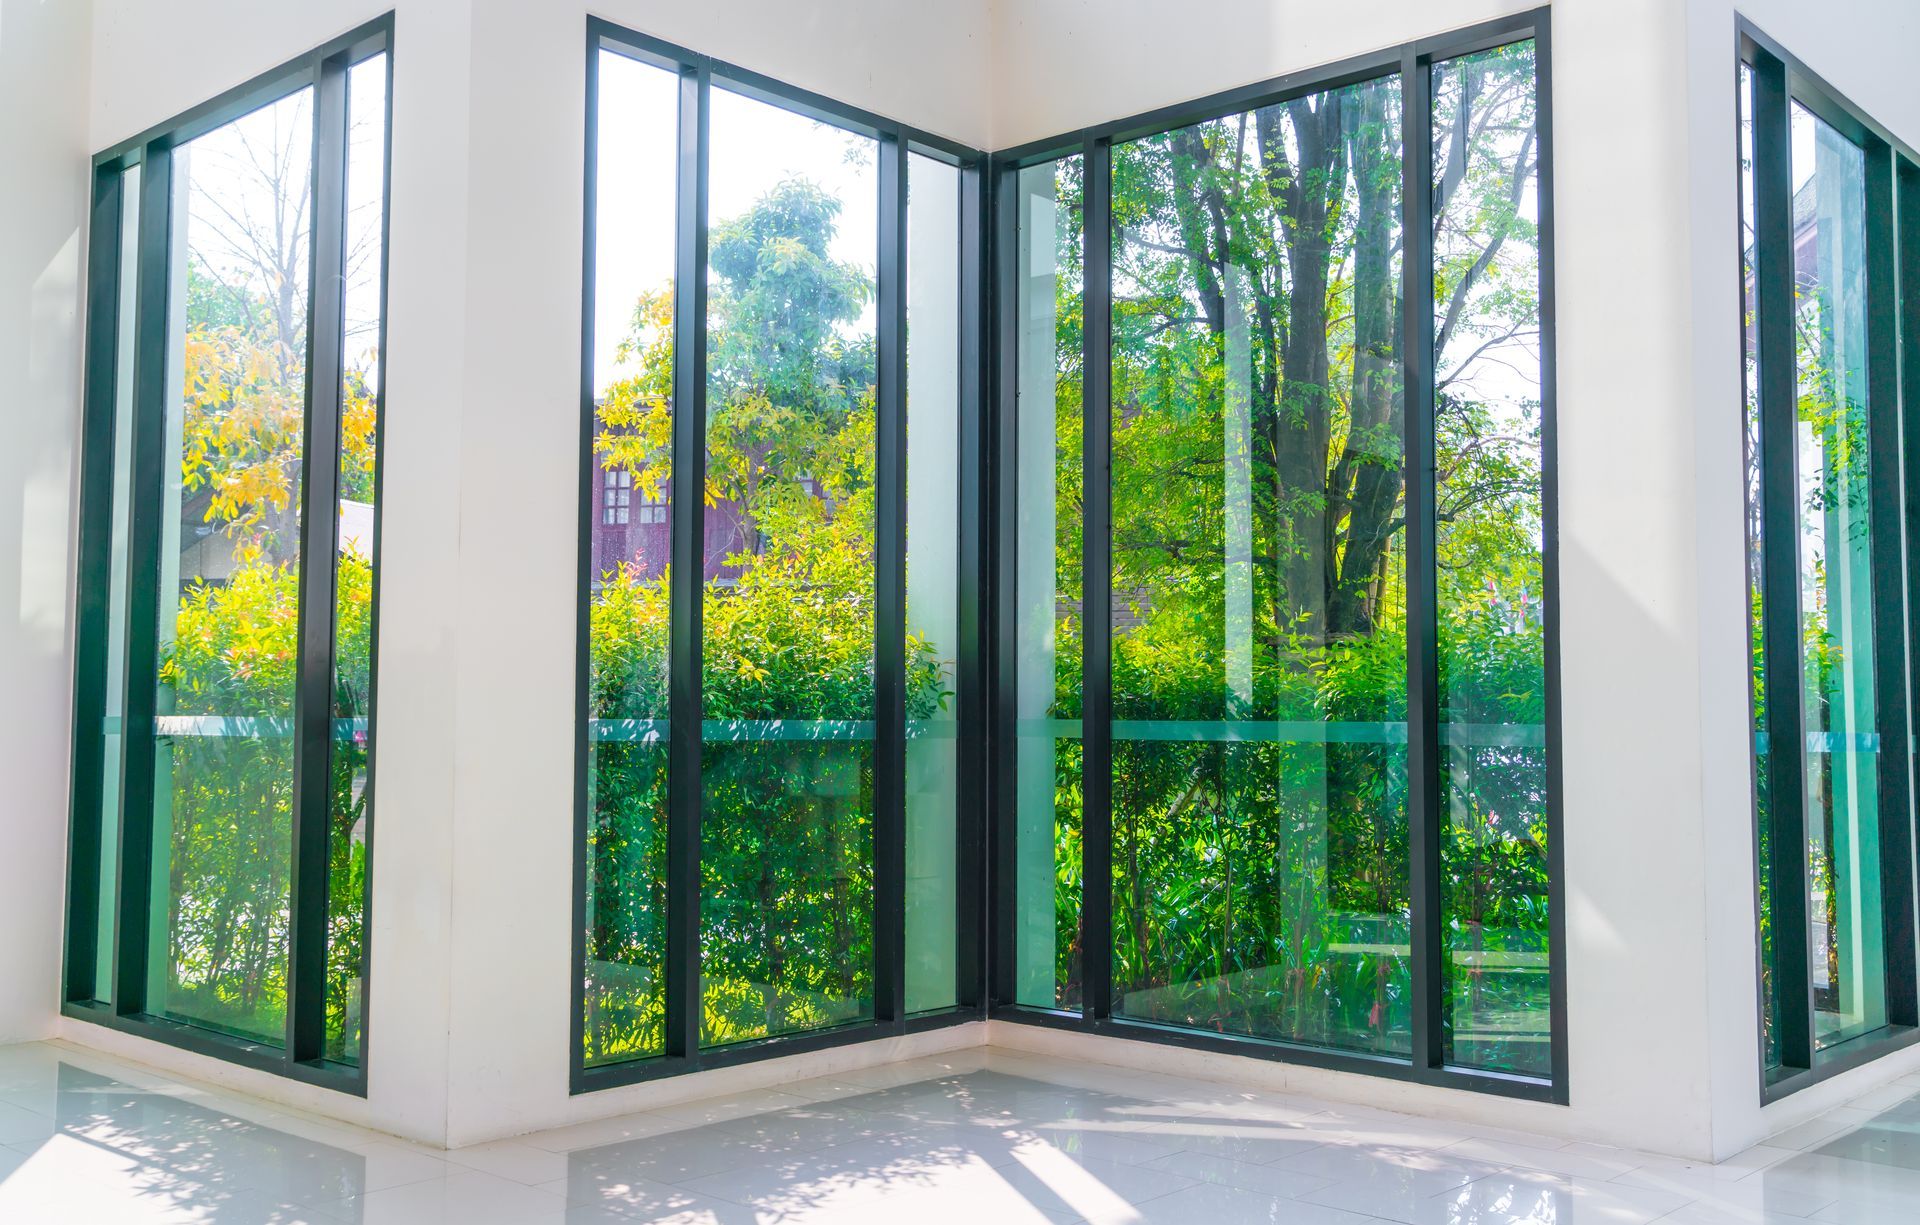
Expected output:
(43, 211)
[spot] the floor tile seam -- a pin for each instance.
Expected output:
(442, 1176)
(1703, 1189)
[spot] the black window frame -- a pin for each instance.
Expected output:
(326, 70)
(697, 74)
(1412, 63)
(986, 653)
(1893, 406)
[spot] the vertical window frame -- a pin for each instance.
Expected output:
(325, 70)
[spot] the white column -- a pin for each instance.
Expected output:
(43, 214)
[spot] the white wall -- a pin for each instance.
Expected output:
(43, 208)
(1065, 64)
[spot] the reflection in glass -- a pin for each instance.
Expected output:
(1259, 654)
(933, 579)
(229, 573)
(627, 712)
(1489, 540)
(1047, 936)
(786, 924)
(1836, 582)
(351, 805)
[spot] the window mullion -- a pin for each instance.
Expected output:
(890, 579)
(92, 612)
(688, 573)
(319, 534)
(1096, 587)
(1423, 745)
(1775, 307)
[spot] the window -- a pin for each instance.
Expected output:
(224, 694)
(1280, 586)
(1490, 516)
(1259, 756)
(773, 689)
(619, 496)
(1826, 199)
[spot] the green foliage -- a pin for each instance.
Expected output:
(787, 664)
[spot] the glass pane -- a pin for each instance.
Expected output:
(229, 574)
(351, 810)
(1259, 647)
(933, 578)
(1836, 583)
(1756, 573)
(786, 929)
(1490, 576)
(1047, 862)
(627, 604)
(114, 704)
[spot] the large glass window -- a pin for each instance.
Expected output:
(627, 597)
(1820, 217)
(788, 618)
(1259, 657)
(773, 687)
(1489, 514)
(1835, 549)
(235, 360)
(1281, 456)
(229, 574)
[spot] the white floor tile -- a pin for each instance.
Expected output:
(1213, 1204)
(1836, 1178)
(1246, 1175)
(1885, 1097)
(1562, 1161)
(1240, 1140)
(1525, 1197)
(733, 1106)
(512, 1160)
(466, 1198)
(1817, 1131)
(1393, 1186)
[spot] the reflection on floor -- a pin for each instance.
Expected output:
(982, 1138)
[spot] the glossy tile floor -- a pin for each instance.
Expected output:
(981, 1138)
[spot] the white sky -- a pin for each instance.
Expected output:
(754, 147)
